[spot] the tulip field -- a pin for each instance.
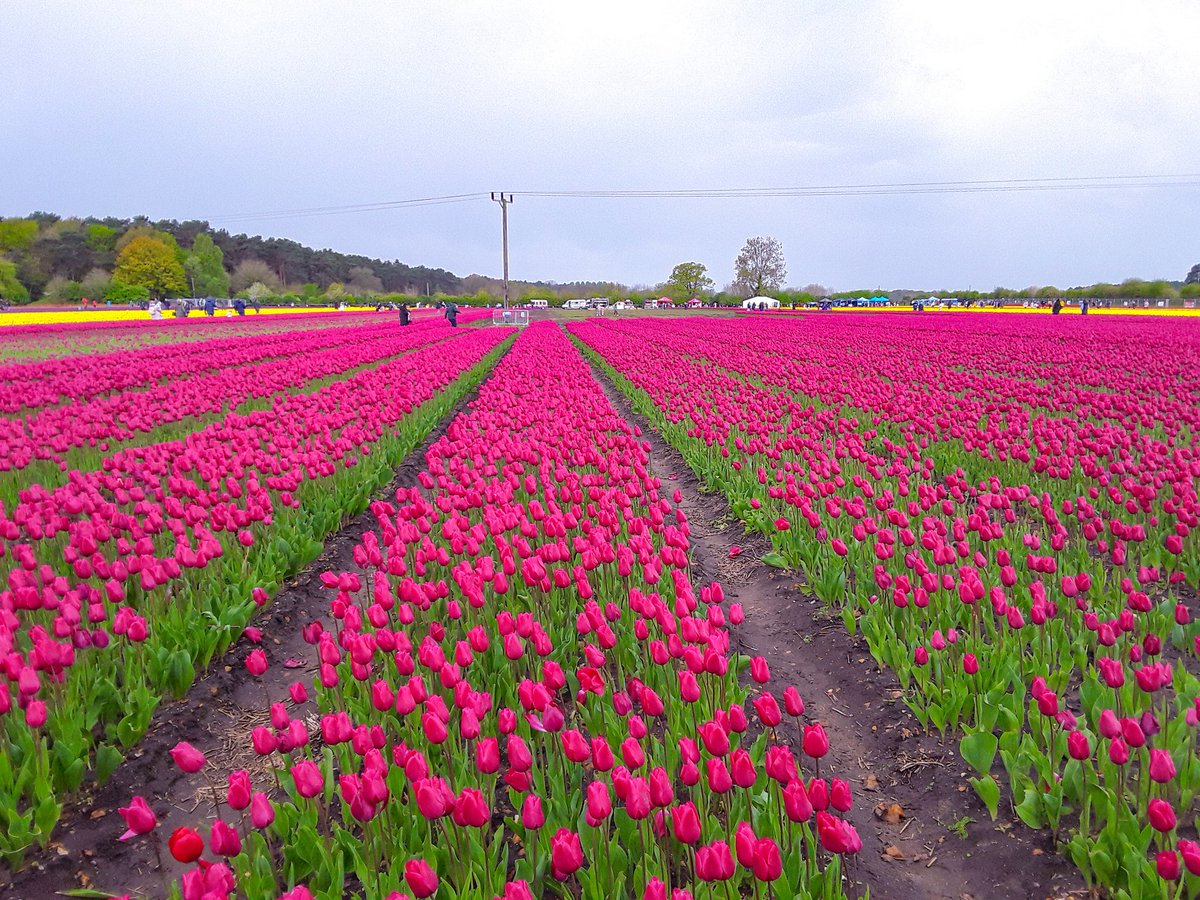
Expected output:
(1006, 514)
(518, 685)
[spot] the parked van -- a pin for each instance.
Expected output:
(575, 304)
(538, 304)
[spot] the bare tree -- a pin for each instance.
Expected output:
(249, 271)
(817, 290)
(363, 280)
(760, 266)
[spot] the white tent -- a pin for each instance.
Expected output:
(760, 302)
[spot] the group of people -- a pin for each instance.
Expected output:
(183, 306)
(1057, 306)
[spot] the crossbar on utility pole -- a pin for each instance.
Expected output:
(504, 199)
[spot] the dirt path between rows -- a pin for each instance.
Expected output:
(875, 742)
(216, 716)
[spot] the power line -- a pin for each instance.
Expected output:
(349, 208)
(1001, 185)
(915, 187)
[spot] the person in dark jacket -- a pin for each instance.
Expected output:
(451, 314)
(210, 306)
(240, 305)
(1057, 307)
(404, 314)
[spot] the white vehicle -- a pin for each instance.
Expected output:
(598, 303)
(576, 304)
(538, 304)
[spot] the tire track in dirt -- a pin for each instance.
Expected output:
(876, 744)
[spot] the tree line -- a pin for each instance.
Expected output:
(44, 256)
(68, 259)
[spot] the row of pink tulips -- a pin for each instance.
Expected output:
(77, 379)
(286, 364)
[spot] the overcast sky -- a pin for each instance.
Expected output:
(210, 109)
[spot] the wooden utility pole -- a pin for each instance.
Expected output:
(504, 199)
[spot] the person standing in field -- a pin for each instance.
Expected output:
(1057, 307)
(451, 314)
(155, 309)
(210, 306)
(1083, 306)
(404, 314)
(240, 305)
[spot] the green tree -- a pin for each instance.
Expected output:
(1190, 291)
(205, 268)
(101, 238)
(126, 293)
(689, 279)
(11, 288)
(17, 234)
(760, 266)
(150, 263)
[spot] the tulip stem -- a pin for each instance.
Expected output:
(216, 797)
(162, 872)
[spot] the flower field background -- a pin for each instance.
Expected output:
(512, 678)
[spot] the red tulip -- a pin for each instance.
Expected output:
(1162, 767)
(470, 809)
(262, 813)
(308, 778)
(421, 878)
(566, 854)
(1161, 815)
(256, 663)
(139, 818)
(186, 845)
(187, 757)
(1167, 864)
(744, 842)
(796, 803)
(599, 803)
(837, 835)
(224, 839)
(768, 863)
(531, 812)
(767, 709)
(1190, 852)
(792, 702)
(815, 742)
(685, 823)
(714, 862)
(1078, 746)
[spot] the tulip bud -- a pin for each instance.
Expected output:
(186, 845)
